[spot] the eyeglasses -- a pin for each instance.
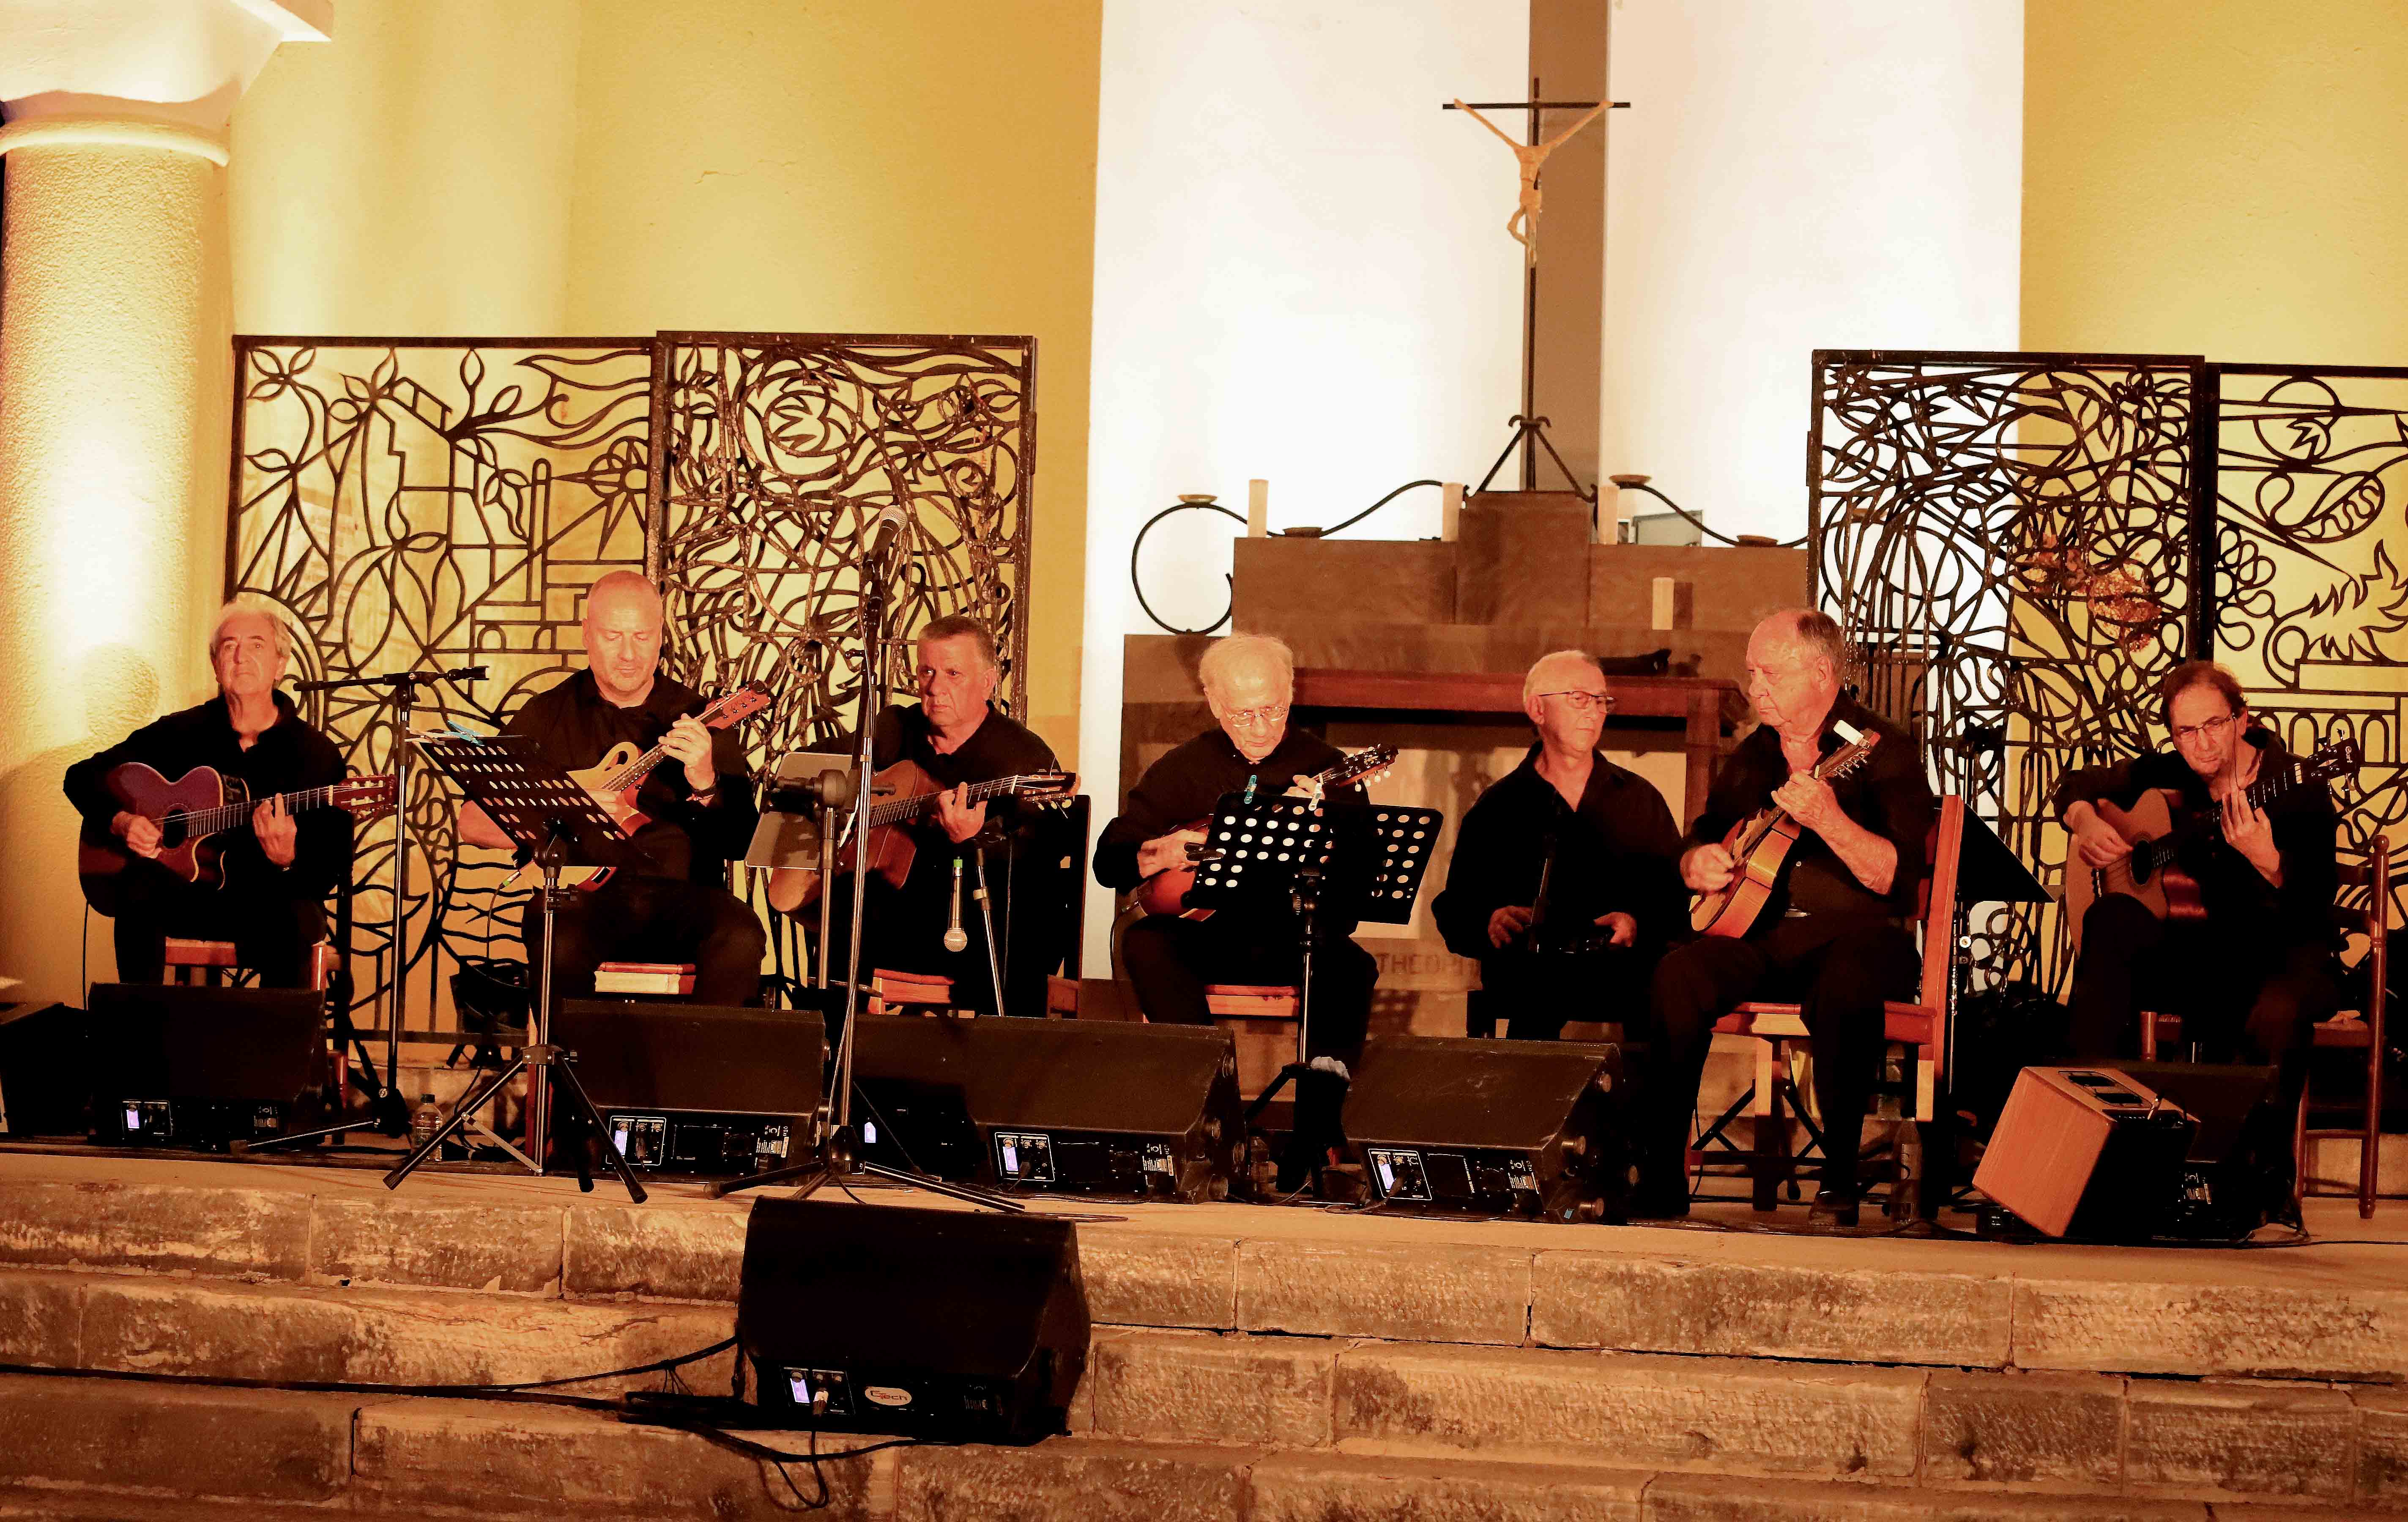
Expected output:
(2189, 732)
(1584, 702)
(1246, 718)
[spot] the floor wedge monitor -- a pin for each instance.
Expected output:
(1492, 1128)
(697, 1089)
(944, 1324)
(204, 1067)
(1087, 1106)
(41, 1063)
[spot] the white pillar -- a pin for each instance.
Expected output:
(115, 372)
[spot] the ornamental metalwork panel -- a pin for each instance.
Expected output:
(2310, 536)
(777, 452)
(2010, 541)
(425, 505)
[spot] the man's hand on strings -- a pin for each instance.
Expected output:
(279, 832)
(959, 822)
(689, 742)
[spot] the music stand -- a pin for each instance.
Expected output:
(555, 823)
(1362, 860)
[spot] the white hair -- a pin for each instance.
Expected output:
(1242, 652)
(251, 602)
(1554, 657)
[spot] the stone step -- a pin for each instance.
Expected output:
(95, 1447)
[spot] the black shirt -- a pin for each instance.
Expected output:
(577, 727)
(1618, 851)
(1181, 788)
(1886, 794)
(2233, 891)
(1001, 746)
(285, 757)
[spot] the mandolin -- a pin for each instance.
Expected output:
(2149, 873)
(191, 811)
(619, 776)
(903, 795)
(1166, 892)
(1759, 847)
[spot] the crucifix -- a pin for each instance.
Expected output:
(1524, 227)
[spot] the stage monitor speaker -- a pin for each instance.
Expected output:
(2088, 1152)
(1492, 1128)
(203, 1066)
(944, 1324)
(41, 1057)
(696, 1089)
(1091, 1107)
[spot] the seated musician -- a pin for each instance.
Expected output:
(1831, 938)
(1249, 683)
(1603, 843)
(668, 904)
(955, 736)
(278, 872)
(2254, 976)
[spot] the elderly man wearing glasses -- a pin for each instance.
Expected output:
(1563, 885)
(1249, 681)
(2255, 974)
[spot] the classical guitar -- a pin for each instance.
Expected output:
(2149, 873)
(904, 794)
(1759, 847)
(619, 776)
(191, 813)
(1166, 892)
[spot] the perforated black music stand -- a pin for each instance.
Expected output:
(555, 823)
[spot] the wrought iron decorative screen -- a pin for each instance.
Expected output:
(428, 504)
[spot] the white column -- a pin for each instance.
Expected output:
(115, 370)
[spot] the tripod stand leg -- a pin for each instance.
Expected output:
(812, 1174)
(594, 1118)
(459, 1117)
(968, 1193)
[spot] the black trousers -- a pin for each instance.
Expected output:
(1170, 959)
(2244, 998)
(634, 918)
(1534, 995)
(903, 930)
(1838, 969)
(271, 935)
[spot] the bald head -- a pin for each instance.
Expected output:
(1793, 670)
(622, 637)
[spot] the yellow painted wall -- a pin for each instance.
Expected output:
(619, 166)
(2216, 176)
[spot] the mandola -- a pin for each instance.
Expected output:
(191, 811)
(1166, 892)
(1759, 847)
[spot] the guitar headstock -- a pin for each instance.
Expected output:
(366, 797)
(736, 707)
(1367, 766)
(2340, 758)
(1055, 786)
(1848, 757)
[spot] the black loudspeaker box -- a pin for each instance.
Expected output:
(698, 1089)
(2237, 1170)
(956, 1325)
(203, 1067)
(41, 1068)
(1089, 1107)
(1492, 1128)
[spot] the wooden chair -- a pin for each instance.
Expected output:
(2362, 1031)
(894, 993)
(1774, 1101)
(215, 964)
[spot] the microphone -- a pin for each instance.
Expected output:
(956, 939)
(885, 532)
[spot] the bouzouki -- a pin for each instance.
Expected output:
(1759, 847)
(904, 794)
(2149, 873)
(191, 813)
(619, 776)
(1166, 892)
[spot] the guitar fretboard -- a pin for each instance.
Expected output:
(900, 809)
(227, 816)
(714, 715)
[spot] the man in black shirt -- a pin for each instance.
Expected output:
(2256, 973)
(668, 906)
(956, 735)
(1249, 683)
(1830, 939)
(1604, 843)
(279, 869)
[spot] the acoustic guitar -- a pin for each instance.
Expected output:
(191, 813)
(904, 794)
(1166, 892)
(1759, 847)
(2149, 873)
(619, 776)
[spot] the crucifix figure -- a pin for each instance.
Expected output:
(1524, 224)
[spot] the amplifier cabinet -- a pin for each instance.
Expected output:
(704, 1090)
(1492, 1128)
(2088, 1152)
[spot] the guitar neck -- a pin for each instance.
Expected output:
(2258, 795)
(902, 810)
(633, 774)
(227, 816)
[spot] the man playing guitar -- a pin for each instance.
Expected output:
(956, 737)
(1249, 683)
(668, 906)
(1568, 835)
(278, 872)
(2255, 973)
(1830, 937)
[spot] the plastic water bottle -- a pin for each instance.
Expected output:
(424, 1120)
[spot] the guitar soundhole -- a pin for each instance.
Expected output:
(171, 829)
